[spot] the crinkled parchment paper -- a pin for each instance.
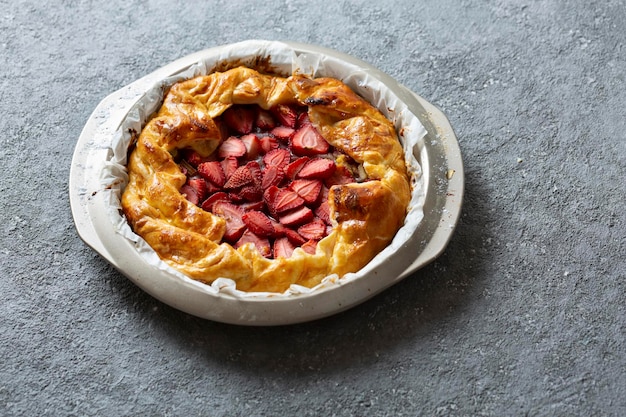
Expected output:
(284, 60)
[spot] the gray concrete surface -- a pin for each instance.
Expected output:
(524, 314)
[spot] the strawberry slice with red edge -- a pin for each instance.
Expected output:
(211, 188)
(269, 197)
(232, 214)
(242, 176)
(213, 172)
(253, 206)
(308, 141)
(286, 115)
(323, 211)
(342, 175)
(324, 194)
(229, 166)
(194, 158)
(303, 119)
(278, 228)
(233, 146)
(255, 170)
(296, 216)
(268, 143)
(250, 193)
(252, 144)
(310, 247)
(236, 198)
(199, 185)
(273, 175)
(262, 244)
(294, 167)
(265, 121)
(283, 133)
(207, 204)
(319, 168)
(277, 157)
(294, 237)
(283, 248)
(314, 230)
(308, 189)
(190, 194)
(286, 199)
(240, 118)
(259, 224)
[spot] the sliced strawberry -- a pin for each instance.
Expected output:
(232, 146)
(286, 115)
(283, 248)
(269, 197)
(252, 144)
(293, 168)
(277, 157)
(240, 118)
(268, 143)
(224, 131)
(323, 211)
(262, 244)
(198, 184)
(308, 141)
(342, 175)
(324, 194)
(296, 216)
(229, 166)
(303, 119)
(255, 170)
(253, 206)
(236, 198)
(232, 214)
(309, 190)
(310, 247)
(294, 237)
(286, 200)
(213, 172)
(211, 188)
(278, 228)
(190, 193)
(214, 198)
(320, 168)
(194, 158)
(273, 175)
(283, 133)
(314, 230)
(265, 121)
(251, 193)
(242, 176)
(259, 224)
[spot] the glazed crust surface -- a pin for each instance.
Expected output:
(365, 215)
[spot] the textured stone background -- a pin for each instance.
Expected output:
(524, 314)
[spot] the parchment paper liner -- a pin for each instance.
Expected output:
(282, 60)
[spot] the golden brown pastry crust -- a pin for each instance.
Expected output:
(367, 214)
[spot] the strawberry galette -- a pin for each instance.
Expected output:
(266, 180)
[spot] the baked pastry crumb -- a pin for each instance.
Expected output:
(266, 180)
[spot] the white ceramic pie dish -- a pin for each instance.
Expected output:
(437, 152)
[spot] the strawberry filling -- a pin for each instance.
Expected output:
(269, 179)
